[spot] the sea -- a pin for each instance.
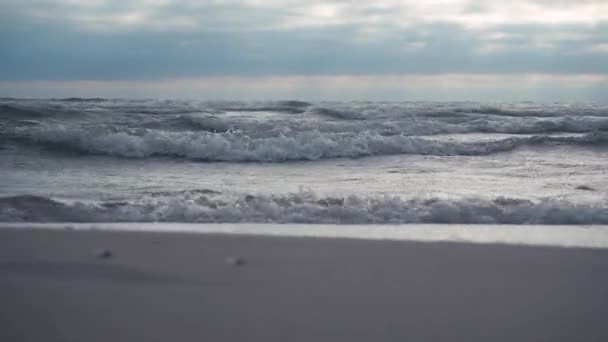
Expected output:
(297, 162)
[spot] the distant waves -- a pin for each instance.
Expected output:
(279, 131)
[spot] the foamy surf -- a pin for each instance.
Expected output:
(312, 145)
(291, 130)
(112, 160)
(529, 235)
(302, 208)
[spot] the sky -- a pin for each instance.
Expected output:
(540, 50)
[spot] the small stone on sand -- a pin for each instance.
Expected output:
(235, 261)
(585, 187)
(103, 253)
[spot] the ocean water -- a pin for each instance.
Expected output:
(107, 160)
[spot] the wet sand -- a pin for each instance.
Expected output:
(181, 287)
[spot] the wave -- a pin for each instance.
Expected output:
(291, 107)
(83, 99)
(544, 126)
(326, 121)
(240, 147)
(8, 111)
(276, 131)
(425, 117)
(20, 111)
(339, 114)
(303, 207)
(533, 110)
(338, 123)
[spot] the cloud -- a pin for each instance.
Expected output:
(116, 15)
(168, 39)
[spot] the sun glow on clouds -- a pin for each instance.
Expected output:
(368, 21)
(288, 14)
(527, 12)
(399, 49)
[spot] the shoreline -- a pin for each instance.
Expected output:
(183, 286)
(567, 236)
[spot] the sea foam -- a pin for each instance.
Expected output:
(311, 145)
(302, 207)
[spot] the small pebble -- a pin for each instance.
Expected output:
(103, 253)
(235, 261)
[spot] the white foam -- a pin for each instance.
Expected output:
(239, 146)
(303, 207)
(290, 130)
(562, 236)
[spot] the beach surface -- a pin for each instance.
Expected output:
(160, 286)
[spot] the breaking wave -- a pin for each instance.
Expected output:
(8, 111)
(303, 207)
(276, 131)
(239, 147)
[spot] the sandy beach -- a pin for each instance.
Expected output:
(181, 287)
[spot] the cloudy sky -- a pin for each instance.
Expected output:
(548, 50)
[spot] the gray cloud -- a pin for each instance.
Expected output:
(156, 39)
